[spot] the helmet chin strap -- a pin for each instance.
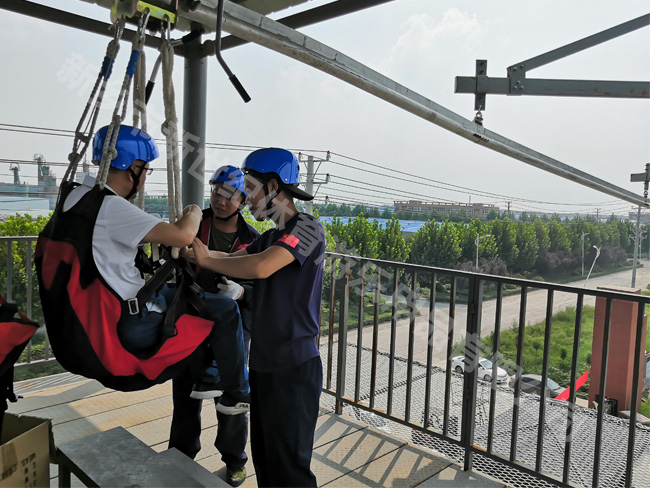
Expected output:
(241, 206)
(136, 182)
(226, 218)
(269, 197)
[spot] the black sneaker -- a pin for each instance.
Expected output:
(205, 391)
(235, 477)
(234, 405)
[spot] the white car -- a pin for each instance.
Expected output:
(484, 369)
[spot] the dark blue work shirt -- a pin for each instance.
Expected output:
(287, 304)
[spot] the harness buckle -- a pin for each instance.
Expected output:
(196, 288)
(134, 307)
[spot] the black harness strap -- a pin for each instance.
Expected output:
(156, 281)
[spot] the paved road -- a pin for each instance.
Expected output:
(535, 312)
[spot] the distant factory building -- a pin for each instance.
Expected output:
(39, 199)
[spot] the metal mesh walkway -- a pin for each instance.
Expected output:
(614, 439)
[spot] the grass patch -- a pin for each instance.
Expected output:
(384, 315)
(560, 351)
(39, 370)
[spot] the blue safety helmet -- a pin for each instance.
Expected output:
(279, 162)
(131, 144)
(229, 175)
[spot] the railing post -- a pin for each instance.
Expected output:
(450, 347)
(412, 303)
(29, 268)
(472, 352)
(341, 360)
(360, 326)
(10, 271)
(330, 335)
(629, 465)
(375, 338)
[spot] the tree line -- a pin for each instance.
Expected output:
(506, 247)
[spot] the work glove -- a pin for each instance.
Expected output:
(230, 289)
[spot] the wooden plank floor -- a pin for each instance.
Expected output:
(346, 452)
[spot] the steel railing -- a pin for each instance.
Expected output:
(435, 415)
(25, 304)
(482, 425)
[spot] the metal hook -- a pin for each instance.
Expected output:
(478, 118)
(142, 25)
(168, 33)
(118, 26)
(217, 51)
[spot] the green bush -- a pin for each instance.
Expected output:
(37, 354)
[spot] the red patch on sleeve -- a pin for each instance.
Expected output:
(290, 240)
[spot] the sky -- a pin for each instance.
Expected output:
(379, 153)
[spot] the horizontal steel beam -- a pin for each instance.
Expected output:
(558, 88)
(313, 16)
(261, 30)
(68, 19)
(295, 21)
(516, 82)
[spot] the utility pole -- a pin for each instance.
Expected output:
(309, 184)
(645, 177)
(597, 211)
(508, 208)
(310, 179)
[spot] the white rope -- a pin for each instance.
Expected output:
(170, 129)
(139, 98)
(84, 135)
(139, 88)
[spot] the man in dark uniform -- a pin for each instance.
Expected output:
(285, 366)
(224, 229)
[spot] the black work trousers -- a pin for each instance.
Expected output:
(232, 430)
(284, 411)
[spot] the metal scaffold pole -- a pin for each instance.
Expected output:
(194, 123)
(645, 178)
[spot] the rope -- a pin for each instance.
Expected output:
(139, 93)
(139, 86)
(170, 129)
(109, 152)
(84, 135)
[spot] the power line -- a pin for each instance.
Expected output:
(465, 189)
(388, 190)
(393, 171)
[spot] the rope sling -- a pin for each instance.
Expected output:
(82, 312)
(109, 152)
(83, 135)
(170, 129)
(139, 100)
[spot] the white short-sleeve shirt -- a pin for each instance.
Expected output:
(119, 228)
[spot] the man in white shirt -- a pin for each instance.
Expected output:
(119, 229)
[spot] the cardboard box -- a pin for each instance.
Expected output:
(26, 448)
